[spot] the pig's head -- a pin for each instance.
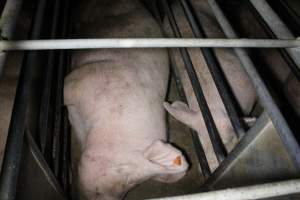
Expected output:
(160, 161)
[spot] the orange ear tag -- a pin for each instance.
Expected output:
(177, 161)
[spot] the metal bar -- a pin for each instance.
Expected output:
(216, 72)
(58, 119)
(290, 62)
(212, 130)
(65, 176)
(200, 154)
(146, 43)
(38, 156)
(14, 145)
(245, 143)
(277, 26)
(8, 21)
(195, 138)
(260, 191)
(196, 141)
(45, 106)
(264, 95)
(59, 122)
(290, 13)
(55, 84)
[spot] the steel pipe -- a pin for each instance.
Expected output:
(209, 122)
(264, 95)
(52, 44)
(260, 191)
(276, 25)
(196, 141)
(215, 70)
(14, 145)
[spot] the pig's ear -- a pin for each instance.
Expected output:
(168, 162)
(182, 112)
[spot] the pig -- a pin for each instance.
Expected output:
(237, 78)
(115, 102)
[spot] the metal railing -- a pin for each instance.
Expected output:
(146, 43)
(9, 174)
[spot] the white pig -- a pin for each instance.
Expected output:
(115, 103)
(237, 78)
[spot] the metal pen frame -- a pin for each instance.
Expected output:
(13, 153)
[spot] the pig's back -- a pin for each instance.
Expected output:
(118, 88)
(113, 19)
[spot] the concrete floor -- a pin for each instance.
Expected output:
(179, 136)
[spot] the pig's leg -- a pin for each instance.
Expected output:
(184, 114)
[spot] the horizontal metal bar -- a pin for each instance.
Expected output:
(260, 191)
(145, 43)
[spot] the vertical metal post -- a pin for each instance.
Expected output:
(44, 124)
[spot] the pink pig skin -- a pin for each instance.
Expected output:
(115, 103)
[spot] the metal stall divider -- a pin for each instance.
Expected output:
(215, 138)
(196, 141)
(58, 122)
(215, 70)
(265, 98)
(288, 14)
(292, 65)
(53, 88)
(46, 116)
(279, 29)
(61, 144)
(13, 149)
(267, 16)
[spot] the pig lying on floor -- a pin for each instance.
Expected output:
(115, 103)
